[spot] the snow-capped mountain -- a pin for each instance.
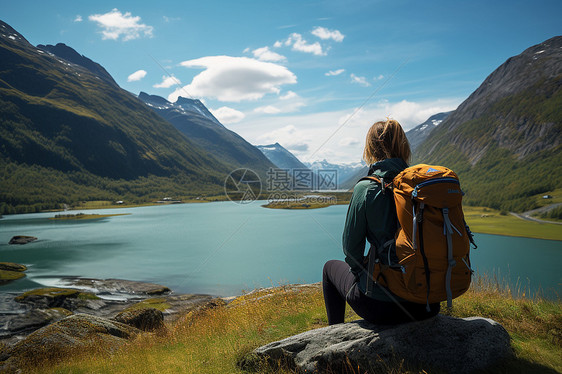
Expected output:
(281, 157)
(196, 122)
(418, 134)
(344, 171)
(182, 106)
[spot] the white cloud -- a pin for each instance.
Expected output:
(348, 141)
(167, 82)
(379, 77)
(299, 44)
(334, 72)
(136, 76)
(298, 147)
(227, 115)
(265, 54)
(289, 136)
(235, 79)
(278, 44)
(268, 109)
(311, 131)
(289, 95)
(288, 103)
(78, 18)
(117, 25)
(325, 34)
(359, 80)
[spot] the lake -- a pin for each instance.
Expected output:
(224, 248)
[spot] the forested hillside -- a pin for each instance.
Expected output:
(504, 141)
(68, 135)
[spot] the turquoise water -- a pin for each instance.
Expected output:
(224, 248)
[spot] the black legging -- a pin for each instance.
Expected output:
(339, 286)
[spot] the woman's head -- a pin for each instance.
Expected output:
(386, 139)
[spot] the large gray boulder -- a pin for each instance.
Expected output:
(443, 343)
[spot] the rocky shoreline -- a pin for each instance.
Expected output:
(23, 313)
(84, 313)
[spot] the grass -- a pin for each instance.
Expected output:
(490, 221)
(302, 200)
(556, 197)
(106, 204)
(213, 340)
(156, 303)
(57, 292)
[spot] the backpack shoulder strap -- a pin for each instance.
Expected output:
(376, 179)
(370, 177)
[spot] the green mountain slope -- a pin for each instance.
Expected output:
(504, 141)
(67, 135)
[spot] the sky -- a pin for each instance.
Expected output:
(310, 75)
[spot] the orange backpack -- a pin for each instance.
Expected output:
(428, 260)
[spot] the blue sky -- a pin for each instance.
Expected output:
(311, 75)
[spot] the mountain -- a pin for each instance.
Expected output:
(281, 157)
(68, 135)
(63, 51)
(344, 171)
(504, 140)
(418, 134)
(195, 121)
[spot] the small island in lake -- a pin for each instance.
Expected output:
(81, 216)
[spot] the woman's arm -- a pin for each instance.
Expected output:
(355, 229)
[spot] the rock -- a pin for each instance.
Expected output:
(180, 305)
(118, 286)
(8, 276)
(10, 271)
(443, 343)
(22, 239)
(15, 308)
(146, 319)
(58, 340)
(67, 298)
(35, 319)
(12, 266)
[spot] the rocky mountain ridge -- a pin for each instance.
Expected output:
(418, 134)
(63, 51)
(505, 139)
(281, 157)
(509, 100)
(192, 119)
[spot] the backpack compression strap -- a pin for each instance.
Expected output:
(418, 221)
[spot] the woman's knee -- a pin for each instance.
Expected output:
(331, 267)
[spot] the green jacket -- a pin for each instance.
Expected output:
(371, 216)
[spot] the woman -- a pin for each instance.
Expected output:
(372, 216)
